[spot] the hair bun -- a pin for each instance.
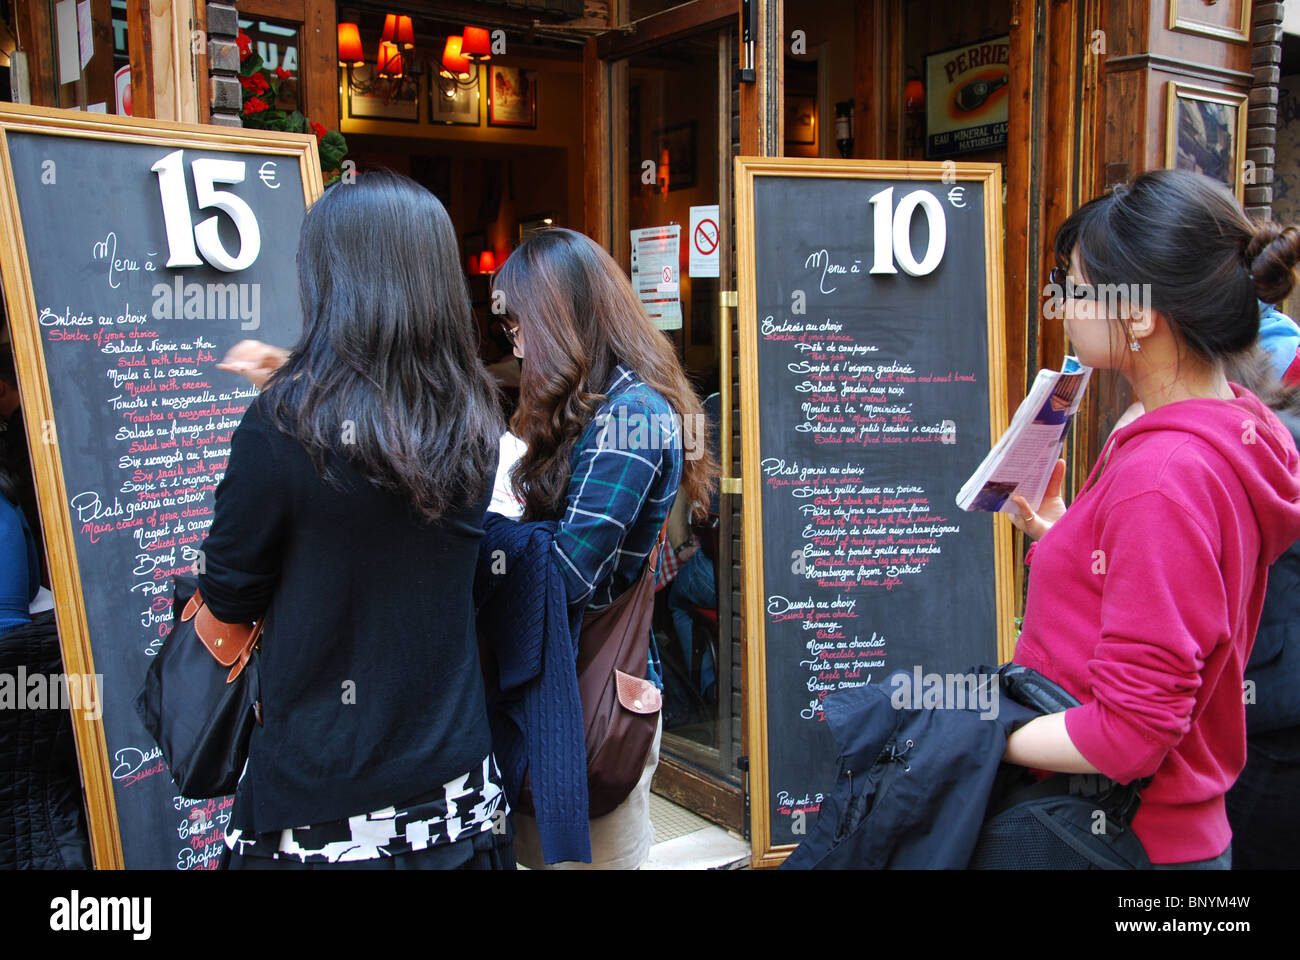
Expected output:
(1271, 256)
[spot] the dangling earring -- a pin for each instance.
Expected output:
(1133, 344)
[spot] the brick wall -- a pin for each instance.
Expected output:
(223, 64)
(1261, 119)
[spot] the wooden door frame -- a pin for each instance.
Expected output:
(318, 64)
(166, 76)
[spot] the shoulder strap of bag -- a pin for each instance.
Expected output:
(1030, 688)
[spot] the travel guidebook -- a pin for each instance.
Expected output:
(1021, 461)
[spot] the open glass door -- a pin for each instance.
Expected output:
(672, 103)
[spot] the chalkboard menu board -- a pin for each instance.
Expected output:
(872, 385)
(136, 252)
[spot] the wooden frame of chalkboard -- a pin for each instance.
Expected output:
(982, 248)
(37, 403)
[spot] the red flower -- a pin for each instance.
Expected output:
(282, 73)
(253, 105)
(317, 129)
(245, 45)
(255, 84)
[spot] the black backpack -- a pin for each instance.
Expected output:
(1064, 822)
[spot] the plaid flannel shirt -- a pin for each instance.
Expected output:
(626, 470)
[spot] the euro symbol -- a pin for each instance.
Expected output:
(957, 196)
(268, 175)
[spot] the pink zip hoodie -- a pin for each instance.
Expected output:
(1144, 599)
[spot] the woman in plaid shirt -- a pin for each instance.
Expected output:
(612, 429)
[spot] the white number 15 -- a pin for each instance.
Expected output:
(181, 232)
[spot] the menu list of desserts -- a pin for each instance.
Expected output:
(872, 360)
(123, 241)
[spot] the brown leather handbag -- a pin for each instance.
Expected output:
(198, 700)
(620, 709)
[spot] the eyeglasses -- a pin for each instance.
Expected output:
(1059, 278)
(510, 332)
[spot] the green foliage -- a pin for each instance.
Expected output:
(261, 90)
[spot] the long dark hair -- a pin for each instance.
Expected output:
(1253, 369)
(580, 318)
(1207, 263)
(387, 372)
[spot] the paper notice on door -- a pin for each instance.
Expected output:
(656, 274)
(65, 29)
(85, 34)
(704, 241)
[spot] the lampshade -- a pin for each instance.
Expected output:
(487, 262)
(350, 45)
(914, 96)
(473, 263)
(452, 59)
(390, 29)
(390, 62)
(476, 43)
(405, 33)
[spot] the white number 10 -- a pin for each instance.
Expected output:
(181, 232)
(893, 239)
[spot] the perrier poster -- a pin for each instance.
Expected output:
(966, 98)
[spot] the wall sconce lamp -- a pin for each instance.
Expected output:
(391, 62)
(461, 56)
(398, 30)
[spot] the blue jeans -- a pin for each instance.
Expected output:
(693, 587)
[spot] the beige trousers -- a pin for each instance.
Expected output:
(620, 840)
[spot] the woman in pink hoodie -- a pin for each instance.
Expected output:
(1145, 595)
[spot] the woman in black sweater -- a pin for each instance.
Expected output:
(350, 518)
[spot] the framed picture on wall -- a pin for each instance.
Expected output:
(512, 97)
(1228, 21)
(1205, 132)
(451, 102)
(675, 155)
(370, 97)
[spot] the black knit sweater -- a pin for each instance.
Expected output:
(371, 688)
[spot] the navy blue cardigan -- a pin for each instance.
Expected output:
(526, 627)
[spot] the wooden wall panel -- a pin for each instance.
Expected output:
(318, 63)
(1022, 303)
(1126, 25)
(1143, 53)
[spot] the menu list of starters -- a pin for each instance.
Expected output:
(170, 450)
(873, 403)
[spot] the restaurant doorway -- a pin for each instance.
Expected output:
(672, 96)
(513, 151)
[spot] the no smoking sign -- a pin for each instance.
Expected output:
(705, 236)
